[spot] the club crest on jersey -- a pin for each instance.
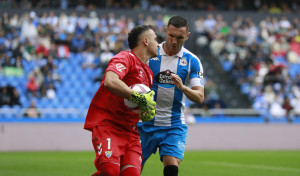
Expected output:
(164, 77)
(108, 154)
(120, 67)
(183, 61)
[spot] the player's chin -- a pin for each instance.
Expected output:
(154, 55)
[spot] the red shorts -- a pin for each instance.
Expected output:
(116, 147)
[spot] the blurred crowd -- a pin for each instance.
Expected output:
(270, 6)
(46, 39)
(263, 59)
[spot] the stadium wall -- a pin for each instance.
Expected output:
(231, 136)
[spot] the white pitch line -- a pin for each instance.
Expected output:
(251, 166)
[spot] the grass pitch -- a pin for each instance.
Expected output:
(195, 163)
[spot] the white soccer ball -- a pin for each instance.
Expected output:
(140, 88)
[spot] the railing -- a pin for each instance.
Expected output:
(224, 112)
(212, 115)
(242, 115)
(44, 113)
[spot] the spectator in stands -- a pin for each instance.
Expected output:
(6, 61)
(18, 62)
(15, 97)
(62, 51)
(29, 53)
(29, 29)
(32, 86)
(32, 111)
(5, 98)
(38, 75)
(104, 59)
(43, 46)
(51, 91)
(16, 46)
(93, 21)
(77, 43)
(140, 19)
(14, 21)
(52, 19)
(287, 105)
(89, 58)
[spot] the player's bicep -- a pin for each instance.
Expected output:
(199, 89)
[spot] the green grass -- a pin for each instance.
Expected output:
(202, 163)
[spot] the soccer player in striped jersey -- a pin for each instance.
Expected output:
(174, 68)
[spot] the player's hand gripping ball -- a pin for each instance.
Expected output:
(142, 102)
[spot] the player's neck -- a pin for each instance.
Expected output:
(141, 55)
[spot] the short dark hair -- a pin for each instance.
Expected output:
(178, 22)
(135, 33)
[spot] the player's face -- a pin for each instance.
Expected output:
(175, 38)
(153, 45)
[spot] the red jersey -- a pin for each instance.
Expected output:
(109, 109)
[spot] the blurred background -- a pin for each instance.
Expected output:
(53, 54)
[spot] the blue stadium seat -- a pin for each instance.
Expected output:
(294, 70)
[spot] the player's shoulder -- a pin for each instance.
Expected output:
(124, 54)
(189, 54)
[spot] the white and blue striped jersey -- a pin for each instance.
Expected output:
(170, 101)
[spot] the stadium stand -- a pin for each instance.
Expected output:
(251, 60)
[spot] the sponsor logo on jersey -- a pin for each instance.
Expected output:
(164, 77)
(99, 149)
(155, 59)
(108, 154)
(120, 67)
(183, 61)
(141, 73)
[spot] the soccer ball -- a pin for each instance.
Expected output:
(140, 88)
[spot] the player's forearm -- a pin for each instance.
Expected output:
(116, 86)
(195, 95)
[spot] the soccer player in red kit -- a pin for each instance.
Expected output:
(115, 136)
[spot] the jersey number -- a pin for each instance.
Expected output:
(108, 143)
(99, 147)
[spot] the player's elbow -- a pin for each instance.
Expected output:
(108, 84)
(200, 99)
(110, 80)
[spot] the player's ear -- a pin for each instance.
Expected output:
(145, 41)
(187, 35)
